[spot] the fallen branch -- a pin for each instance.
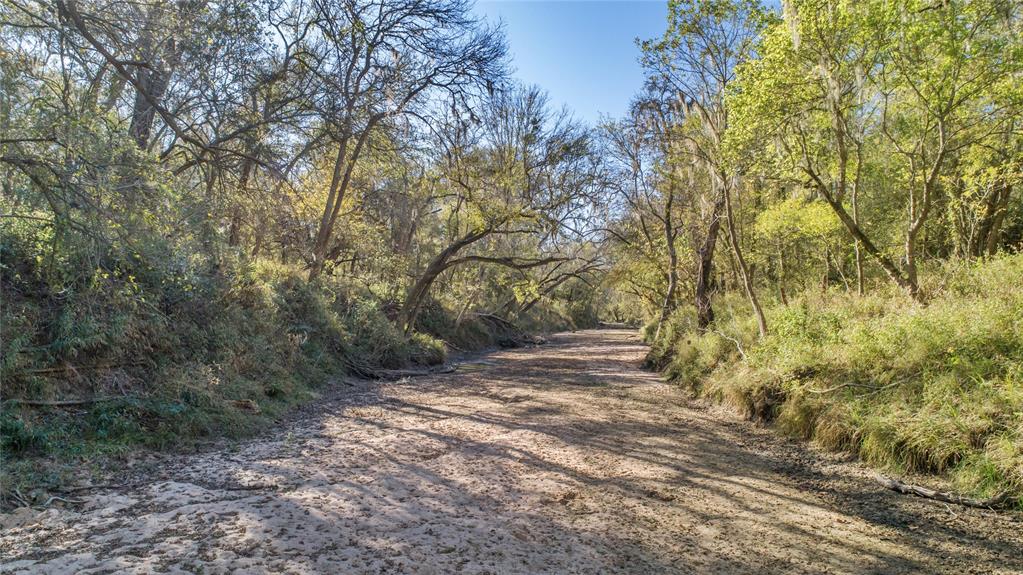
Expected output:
(57, 498)
(738, 345)
(359, 368)
(67, 402)
(63, 369)
(872, 388)
(98, 487)
(613, 325)
(254, 487)
(452, 346)
(400, 373)
(499, 321)
(1000, 501)
(17, 496)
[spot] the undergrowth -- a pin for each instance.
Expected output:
(181, 351)
(935, 388)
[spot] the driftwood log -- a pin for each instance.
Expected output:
(1000, 501)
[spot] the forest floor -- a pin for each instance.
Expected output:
(563, 458)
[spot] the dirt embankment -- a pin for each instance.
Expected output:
(565, 458)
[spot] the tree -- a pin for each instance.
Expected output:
(921, 81)
(518, 170)
(694, 64)
(650, 175)
(379, 60)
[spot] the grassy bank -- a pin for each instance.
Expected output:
(936, 388)
(162, 356)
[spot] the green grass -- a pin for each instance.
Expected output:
(936, 388)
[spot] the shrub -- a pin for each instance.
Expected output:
(17, 438)
(426, 350)
(193, 352)
(190, 347)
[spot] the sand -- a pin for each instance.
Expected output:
(562, 458)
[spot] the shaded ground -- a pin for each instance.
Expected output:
(565, 458)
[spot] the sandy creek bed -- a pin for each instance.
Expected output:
(564, 458)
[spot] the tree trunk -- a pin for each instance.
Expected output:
(669, 237)
(234, 234)
(669, 298)
(857, 248)
(155, 83)
(744, 273)
(417, 293)
(257, 244)
(152, 81)
(910, 247)
(781, 278)
(209, 240)
(704, 267)
(884, 261)
(986, 241)
(340, 179)
(234, 230)
(323, 232)
(991, 242)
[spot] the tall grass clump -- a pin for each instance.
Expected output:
(932, 388)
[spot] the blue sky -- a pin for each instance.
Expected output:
(582, 52)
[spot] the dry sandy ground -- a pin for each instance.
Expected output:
(566, 458)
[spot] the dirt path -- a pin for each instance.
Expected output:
(565, 458)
